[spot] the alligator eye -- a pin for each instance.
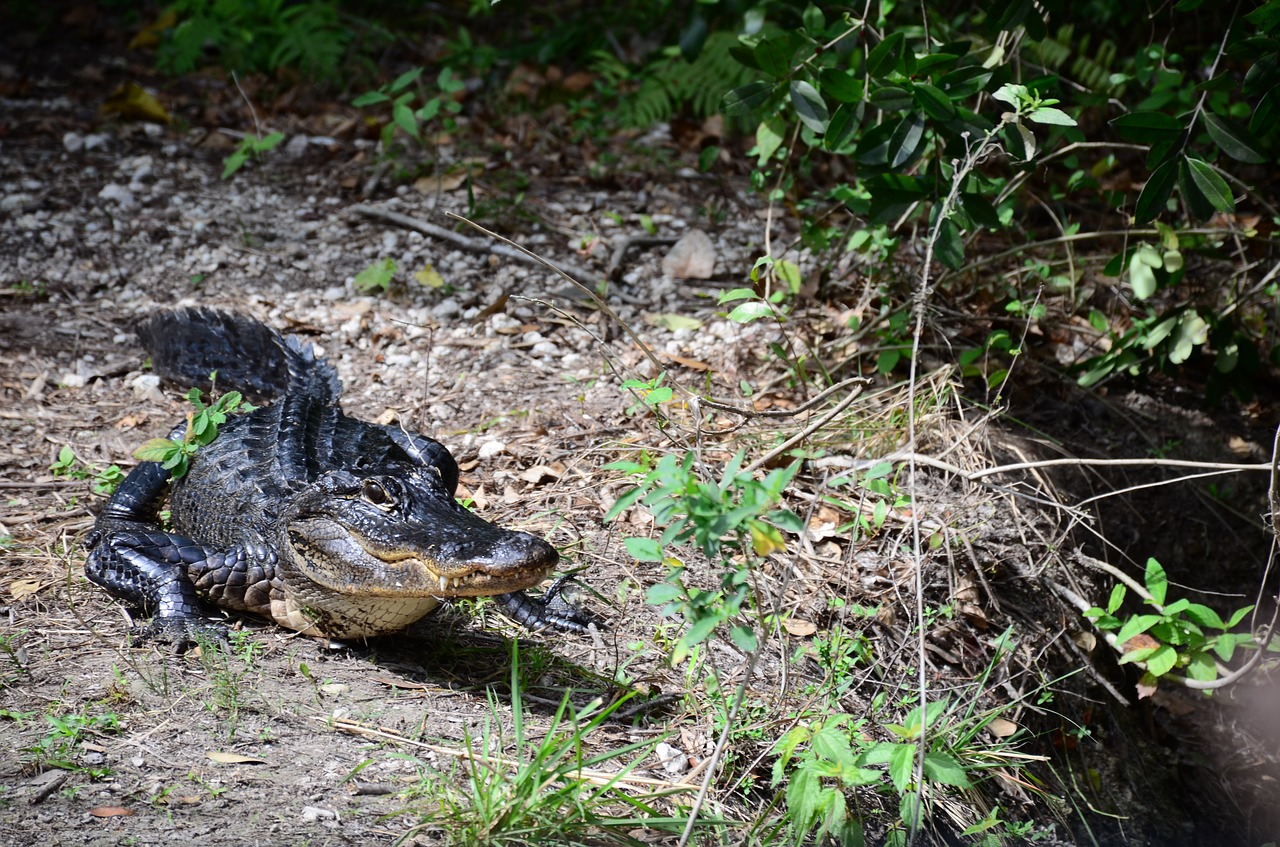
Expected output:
(375, 493)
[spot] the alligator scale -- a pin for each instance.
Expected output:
(322, 523)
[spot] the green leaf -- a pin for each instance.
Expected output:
(1136, 625)
(626, 501)
(700, 630)
(965, 82)
(902, 761)
(841, 85)
(949, 248)
(1203, 190)
(1147, 127)
(662, 594)
(891, 98)
(939, 767)
(1157, 581)
(1204, 616)
(1142, 276)
(742, 101)
(1155, 194)
(743, 637)
(1056, 117)
(402, 82)
(1236, 141)
(1117, 598)
(1162, 660)
(843, 127)
(809, 106)
(935, 104)
(1201, 667)
(377, 276)
(369, 98)
(157, 450)
(403, 117)
(643, 549)
(750, 311)
(774, 54)
(1267, 113)
(906, 140)
(886, 54)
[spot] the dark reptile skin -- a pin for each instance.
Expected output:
(277, 509)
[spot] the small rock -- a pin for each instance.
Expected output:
(546, 349)
(118, 194)
(16, 202)
(490, 449)
(147, 387)
(72, 142)
(70, 380)
(315, 813)
(446, 308)
(674, 761)
(295, 147)
(692, 257)
(96, 140)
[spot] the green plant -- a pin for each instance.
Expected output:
(250, 145)
(58, 747)
(1182, 635)
(377, 277)
(553, 792)
(105, 481)
(732, 523)
(409, 118)
(228, 671)
(201, 428)
(253, 35)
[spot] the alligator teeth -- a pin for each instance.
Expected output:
(444, 583)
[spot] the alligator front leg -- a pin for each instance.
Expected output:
(550, 611)
(148, 569)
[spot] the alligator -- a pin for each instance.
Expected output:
(295, 512)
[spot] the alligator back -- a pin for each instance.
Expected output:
(186, 345)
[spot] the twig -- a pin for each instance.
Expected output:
(815, 425)
(473, 245)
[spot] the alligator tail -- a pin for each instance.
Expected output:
(187, 344)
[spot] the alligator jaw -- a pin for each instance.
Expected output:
(331, 554)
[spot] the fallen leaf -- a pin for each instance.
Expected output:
(1002, 728)
(429, 277)
(20, 588)
(399, 683)
(111, 812)
(692, 257)
(542, 473)
(1146, 686)
(694, 364)
(1141, 641)
(131, 420)
(234, 758)
(150, 35)
(132, 102)
(801, 628)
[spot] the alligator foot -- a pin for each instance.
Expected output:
(180, 633)
(550, 611)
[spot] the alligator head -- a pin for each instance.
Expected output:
(396, 532)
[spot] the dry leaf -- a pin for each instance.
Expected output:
(1002, 728)
(695, 364)
(399, 683)
(801, 628)
(542, 473)
(429, 277)
(131, 420)
(111, 812)
(234, 758)
(132, 102)
(25, 587)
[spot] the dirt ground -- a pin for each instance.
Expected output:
(291, 740)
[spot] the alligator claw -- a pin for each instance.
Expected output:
(180, 632)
